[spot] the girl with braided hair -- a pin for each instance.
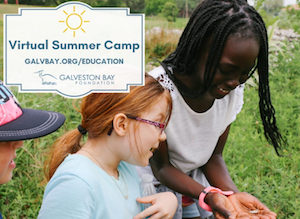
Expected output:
(223, 44)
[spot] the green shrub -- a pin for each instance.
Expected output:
(160, 50)
(252, 161)
(289, 19)
(160, 43)
(170, 11)
(154, 7)
(273, 6)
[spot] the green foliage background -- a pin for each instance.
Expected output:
(252, 162)
(170, 11)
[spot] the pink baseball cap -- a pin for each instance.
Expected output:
(17, 123)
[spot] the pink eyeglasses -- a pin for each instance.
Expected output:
(159, 125)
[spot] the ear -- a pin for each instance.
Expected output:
(120, 124)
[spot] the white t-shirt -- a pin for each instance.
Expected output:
(192, 136)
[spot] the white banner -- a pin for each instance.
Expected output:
(74, 49)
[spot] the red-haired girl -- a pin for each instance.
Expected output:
(97, 179)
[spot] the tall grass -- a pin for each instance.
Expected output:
(21, 197)
(159, 21)
(159, 43)
(252, 162)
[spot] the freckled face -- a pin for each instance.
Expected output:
(238, 58)
(7, 164)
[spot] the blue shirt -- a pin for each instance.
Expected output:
(0, 215)
(80, 189)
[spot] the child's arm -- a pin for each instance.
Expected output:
(176, 180)
(164, 206)
(217, 174)
(215, 169)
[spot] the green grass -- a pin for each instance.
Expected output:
(158, 21)
(11, 8)
(252, 162)
(290, 19)
(21, 197)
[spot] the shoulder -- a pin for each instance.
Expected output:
(162, 77)
(234, 97)
(77, 165)
(75, 172)
(237, 98)
(239, 90)
(231, 105)
(71, 192)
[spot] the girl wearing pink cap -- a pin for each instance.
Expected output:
(18, 124)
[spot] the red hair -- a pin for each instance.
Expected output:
(97, 113)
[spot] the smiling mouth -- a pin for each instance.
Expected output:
(224, 90)
(12, 164)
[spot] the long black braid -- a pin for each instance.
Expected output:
(215, 21)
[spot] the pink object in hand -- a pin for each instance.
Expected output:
(211, 189)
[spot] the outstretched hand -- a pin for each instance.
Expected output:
(248, 206)
(240, 205)
(163, 206)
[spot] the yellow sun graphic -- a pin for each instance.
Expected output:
(74, 21)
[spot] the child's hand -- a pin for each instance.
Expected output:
(164, 206)
(248, 206)
(220, 205)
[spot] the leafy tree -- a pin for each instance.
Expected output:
(154, 7)
(54, 2)
(135, 5)
(273, 6)
(186, 7)
(110, 3)
(170, 11)
(93, 3)
(33, 2)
